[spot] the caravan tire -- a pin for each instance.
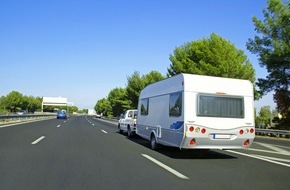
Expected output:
(153, 142)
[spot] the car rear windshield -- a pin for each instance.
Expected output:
(220, 106)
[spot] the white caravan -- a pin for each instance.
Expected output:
(197, 112)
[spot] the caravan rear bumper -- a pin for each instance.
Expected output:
(208, 138)
(206, 143)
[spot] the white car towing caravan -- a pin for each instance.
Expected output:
(197, 112)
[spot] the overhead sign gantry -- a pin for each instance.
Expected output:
(53, 101)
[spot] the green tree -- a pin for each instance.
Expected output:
(32, 104)
(73, 109)
(214, 56)
(136, 83)
(83, 111)
(152, 77)
(264, 118)
(14, 101)
(273, 48)
(103, 106)
(119, 101)
(2, 105)
(134, 87)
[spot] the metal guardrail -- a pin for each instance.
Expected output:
(26, 117)
(18, 118)
(273, 133)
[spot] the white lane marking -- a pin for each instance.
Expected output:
(37, 140)
(260, 158)
(93, 124)
(273, 148)
(165, 167)
(58, 126)
(104, 131)
(268, 151)
(272, 158)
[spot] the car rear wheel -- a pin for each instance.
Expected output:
(130, 133)
(120, 130)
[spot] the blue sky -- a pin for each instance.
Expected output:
(82, 49)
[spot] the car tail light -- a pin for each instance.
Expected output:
(192, 142)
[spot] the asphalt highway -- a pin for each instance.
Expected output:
(88, 153)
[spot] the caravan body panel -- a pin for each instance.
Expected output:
(193, 111)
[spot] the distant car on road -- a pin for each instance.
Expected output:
(21, 112)
(61, 114)
(98, 115)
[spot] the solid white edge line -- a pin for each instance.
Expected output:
(104, 131)
(176, 173)
(274, 148)
(260, 158)
(268, 151)
(37, 140)
(272, 158)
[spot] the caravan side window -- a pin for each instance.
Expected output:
(144, 109)
(175, 104)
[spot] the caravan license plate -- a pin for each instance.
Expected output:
(221, 136)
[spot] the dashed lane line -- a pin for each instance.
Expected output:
(38, 140)
(169, 169)
(104, 131)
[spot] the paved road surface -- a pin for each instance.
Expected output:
(86, 153)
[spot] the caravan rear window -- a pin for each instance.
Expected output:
(220, 106)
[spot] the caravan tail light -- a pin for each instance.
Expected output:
(241, 131)
(247, 142)
(246, 131)
(203, 130)
(192, 142)
(191, 128)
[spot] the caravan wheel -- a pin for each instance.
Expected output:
(153, 143)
